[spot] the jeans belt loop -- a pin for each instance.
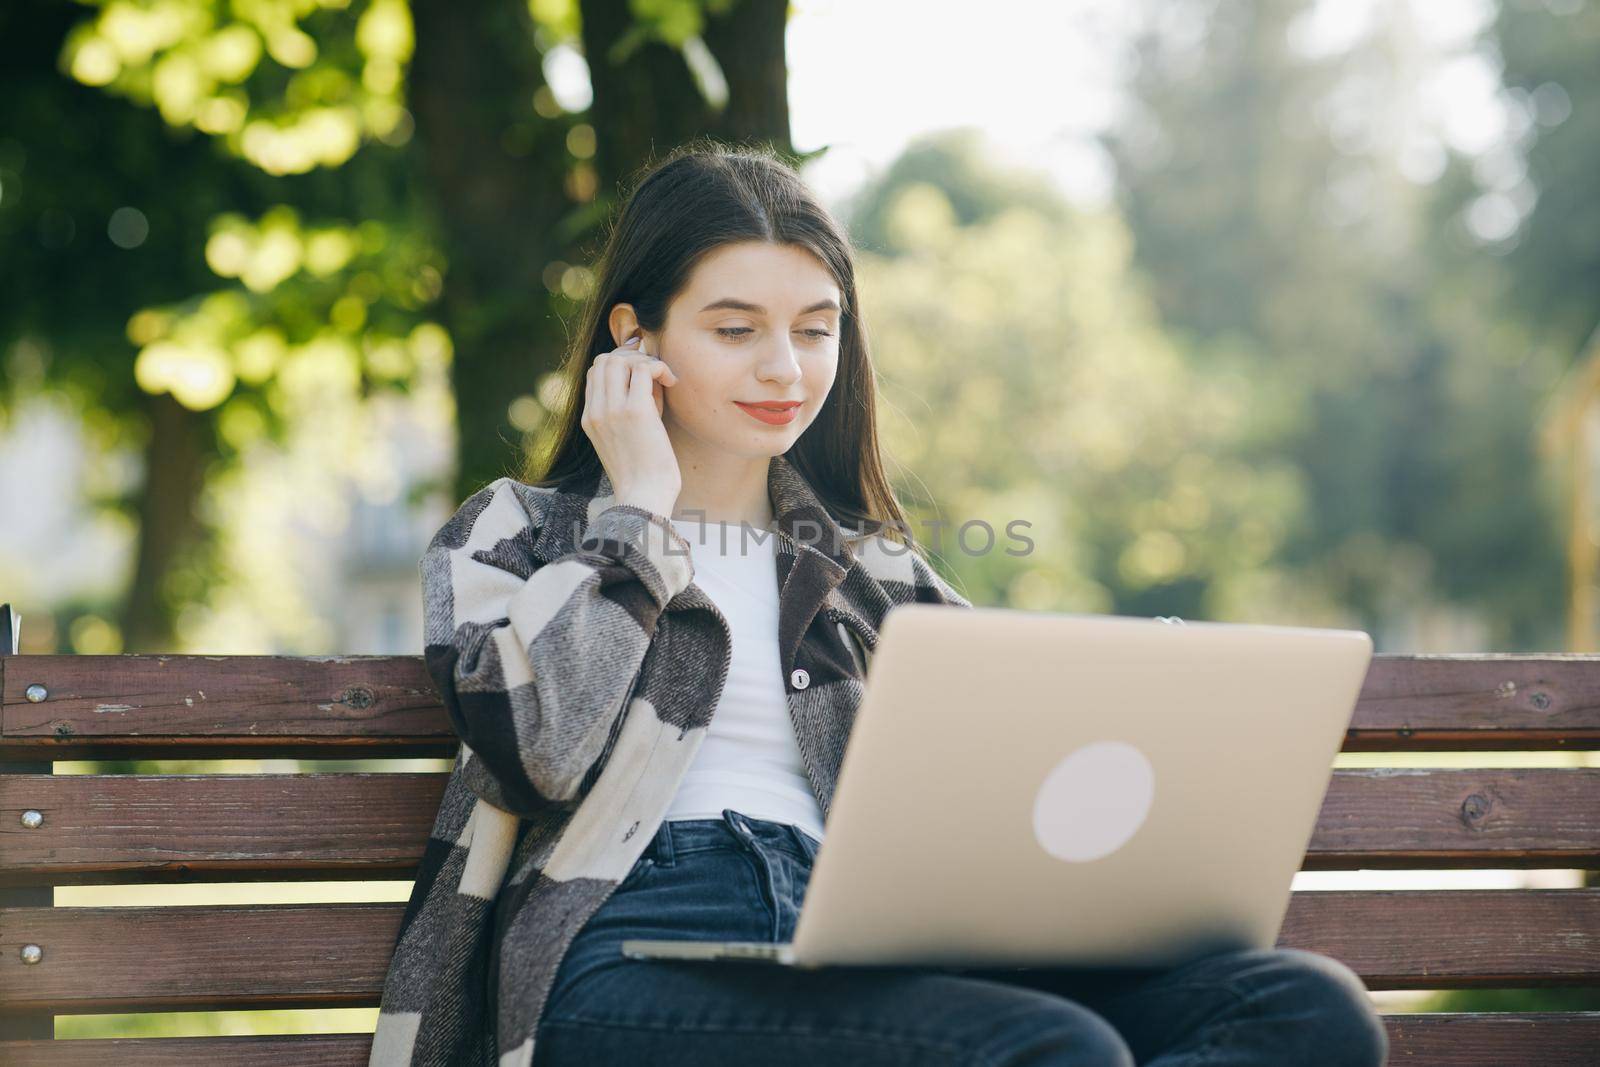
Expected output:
(661, 849)
(741, 829)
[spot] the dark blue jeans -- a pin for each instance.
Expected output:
(741, 878)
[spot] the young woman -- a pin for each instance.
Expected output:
(653, 648)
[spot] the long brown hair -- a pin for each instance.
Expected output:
(703, 195)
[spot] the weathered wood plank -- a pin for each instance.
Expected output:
(1424, 818)
(204, 958)
(1453, 938)
(108, 707)
(1494, 1039)
(335, 955)
(1478, 701)
(275, 1050)
(124, 828)
(110, 829)
(150, 707)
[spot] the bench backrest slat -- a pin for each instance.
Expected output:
(108, 829)
(212, 957)
(153, 707)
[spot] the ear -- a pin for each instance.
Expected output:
(623, 324)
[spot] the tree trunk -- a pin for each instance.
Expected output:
(498, 203)
(174, 457)
(510, 199)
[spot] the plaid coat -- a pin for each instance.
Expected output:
(580, 666)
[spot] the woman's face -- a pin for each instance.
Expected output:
(758, 322)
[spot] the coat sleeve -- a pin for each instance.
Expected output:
(534, 661)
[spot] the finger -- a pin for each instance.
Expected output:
(644, 349)
(672, 378)
(660, 371)
(616, 375)
(654, 370)
(594, 388)
(640, 391)
(645, 359)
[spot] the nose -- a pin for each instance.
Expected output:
(778, 364)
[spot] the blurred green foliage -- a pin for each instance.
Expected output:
(1027, 379)
(287, 84)
(1272, 216)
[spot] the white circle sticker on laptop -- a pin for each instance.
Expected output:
(1093, 801)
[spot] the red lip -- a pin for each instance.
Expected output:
(771, 405)
(772, 414)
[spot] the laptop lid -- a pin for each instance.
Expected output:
(1031, 789)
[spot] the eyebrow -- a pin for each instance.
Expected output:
(744, 305)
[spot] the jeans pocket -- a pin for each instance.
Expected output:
(641, 866)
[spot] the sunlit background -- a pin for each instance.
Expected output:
(1254, 310)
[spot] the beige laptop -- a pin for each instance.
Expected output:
(1036, 789)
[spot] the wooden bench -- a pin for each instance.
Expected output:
(102, 829)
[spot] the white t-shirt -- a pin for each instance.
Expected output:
(749, 760)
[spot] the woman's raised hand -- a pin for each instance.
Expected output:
(622, 408)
